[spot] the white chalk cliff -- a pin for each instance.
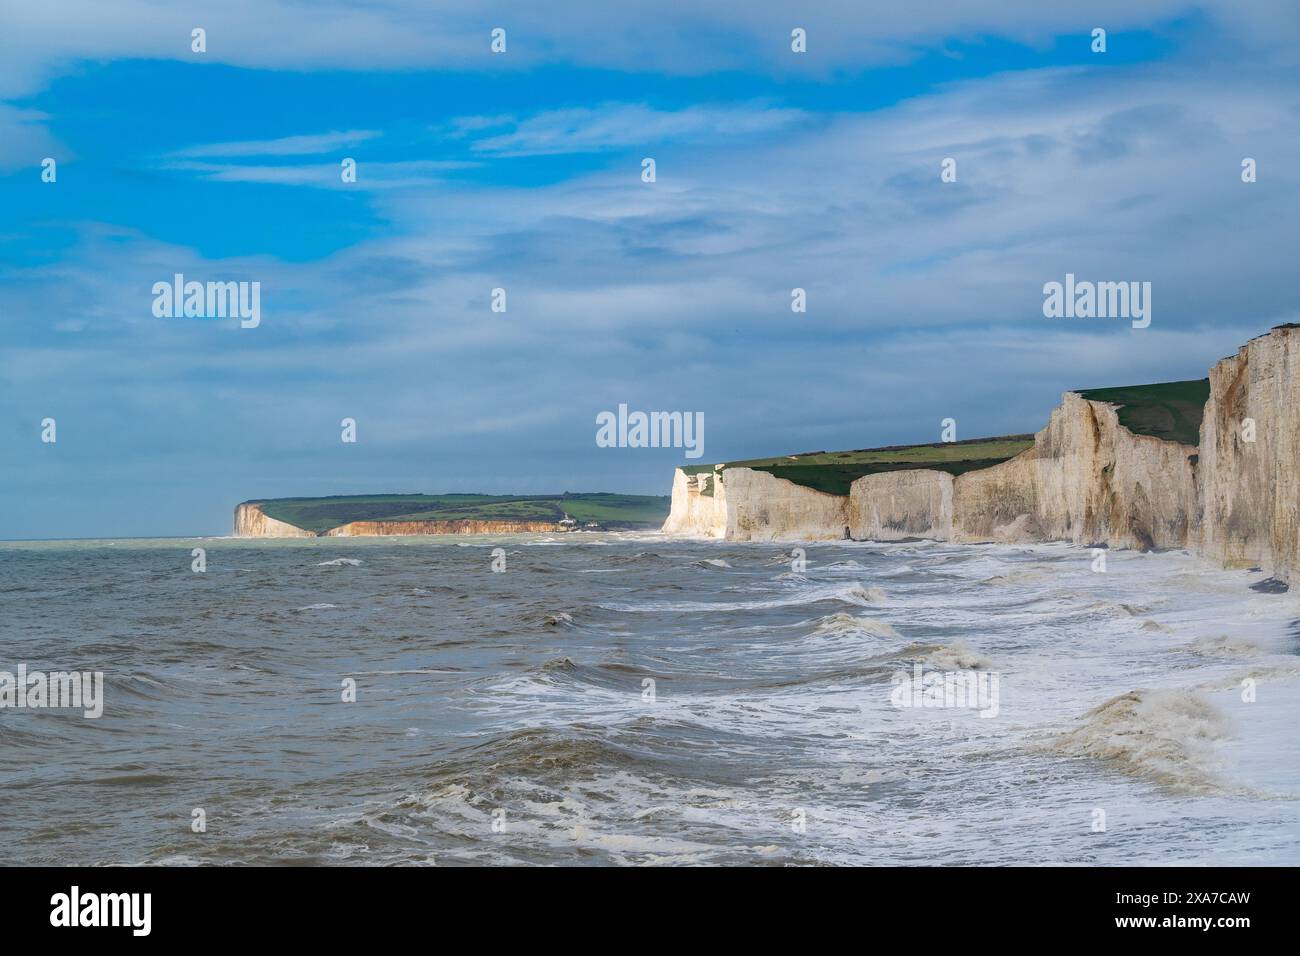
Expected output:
(752, 505)
(1249, 490)
(252, 522)
(1087, 480)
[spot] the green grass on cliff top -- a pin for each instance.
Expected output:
(612, 511)
(834, 471)
(1168, 410)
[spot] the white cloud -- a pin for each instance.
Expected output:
(406, 174)
(308, 145)
(621, 125)
(674, 36)
(24, 140)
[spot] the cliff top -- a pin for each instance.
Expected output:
(834, 471)
(1168, 410)
(610, 510)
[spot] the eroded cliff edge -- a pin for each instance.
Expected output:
(1087, 479)
(252, 522)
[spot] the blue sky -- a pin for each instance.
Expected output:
(522, 171)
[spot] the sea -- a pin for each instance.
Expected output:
(636, 699)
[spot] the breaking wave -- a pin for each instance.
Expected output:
(859, 594)
(841, 624)
(1224, 646)
(1166, 737)
(957, 656)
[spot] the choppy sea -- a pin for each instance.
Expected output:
(637, 699)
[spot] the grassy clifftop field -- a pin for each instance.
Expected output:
(610, 511)
(834, 471)
(1168, 410)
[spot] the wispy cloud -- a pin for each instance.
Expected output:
(24, 139)
(370, 175)
(315, 144)
(670, 36)
(621, 125)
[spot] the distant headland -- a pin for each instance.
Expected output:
(349, 515)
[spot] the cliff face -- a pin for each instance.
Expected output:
(748, 505)
(699, 506)
(1250, 490)
(762, 507)
(360, 528)
(902, 504)
(1087, 480)
(250, 522)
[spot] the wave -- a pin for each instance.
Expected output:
(840, 624)
(539, 754)
(1270, 672)
(859, 594)
(572, 615)
(339, 562)
(1166, 737)
(1117, 608)
(570, 538)
(565, 796)
(607, 675)
(957, 656)
(1224, 646)
(1017, 577)
(133, 685)
(640, 558)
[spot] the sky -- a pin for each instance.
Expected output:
(522, 170)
